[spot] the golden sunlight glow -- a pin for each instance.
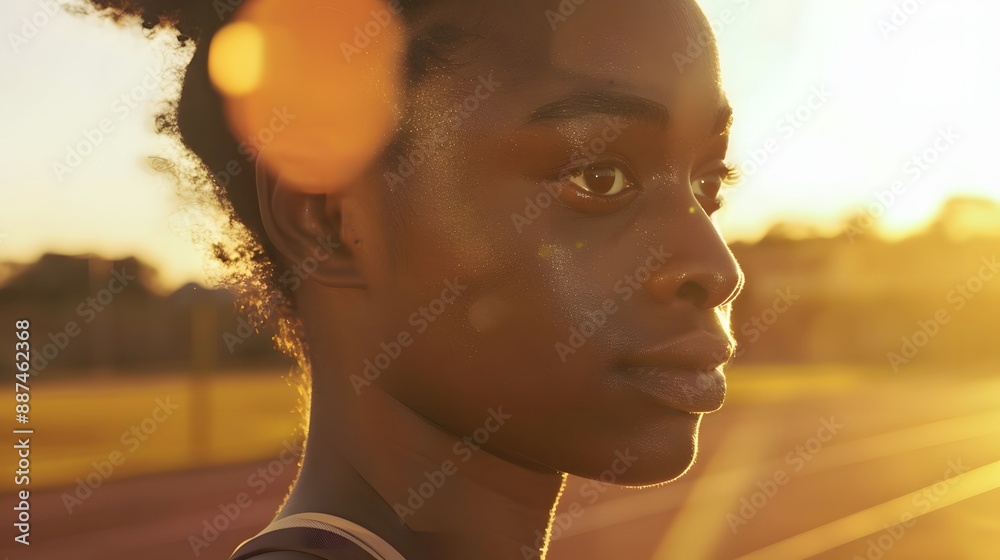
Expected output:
(328, 94)
(236, 59)
(746, 443)
(855, 108)
(866, 222)
(863, 523)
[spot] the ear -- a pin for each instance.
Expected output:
(306, 229)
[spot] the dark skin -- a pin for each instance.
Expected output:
(492, 345)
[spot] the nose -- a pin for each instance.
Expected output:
(702, 271)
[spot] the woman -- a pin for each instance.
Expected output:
(524, 281)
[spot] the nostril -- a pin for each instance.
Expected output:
(693, 292)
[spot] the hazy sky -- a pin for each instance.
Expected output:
(835, 99)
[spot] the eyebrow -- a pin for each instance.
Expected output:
(631, 107)
(590, 103)
(723, 121)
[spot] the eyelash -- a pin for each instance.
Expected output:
(733, 175)
(728, 176)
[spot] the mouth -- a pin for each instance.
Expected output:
(684, 374)
(695, 391)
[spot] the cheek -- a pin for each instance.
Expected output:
(504, 325)
(539, 297)
(573, 287)
(490, 313)
(501, 342)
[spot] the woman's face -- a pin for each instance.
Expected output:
(545, 247)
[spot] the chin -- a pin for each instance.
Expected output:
(653, 456)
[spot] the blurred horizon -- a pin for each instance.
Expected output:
(959, 219)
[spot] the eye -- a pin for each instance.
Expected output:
(597, 188)
(603, 179)
(707, 186)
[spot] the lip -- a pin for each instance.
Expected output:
(695, 391)
(684, 373)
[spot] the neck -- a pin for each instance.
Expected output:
(428, 492)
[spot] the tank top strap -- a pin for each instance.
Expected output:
(324, 536)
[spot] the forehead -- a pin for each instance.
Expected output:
(659, 49)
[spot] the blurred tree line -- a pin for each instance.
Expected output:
(932, 298)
